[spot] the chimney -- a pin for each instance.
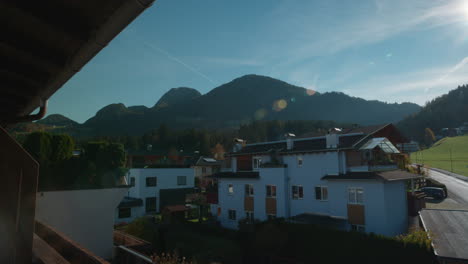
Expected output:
(289, 140)
(332, 137)
(238, 144)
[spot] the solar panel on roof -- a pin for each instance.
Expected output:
(209, 160)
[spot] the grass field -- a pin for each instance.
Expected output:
(438, 156)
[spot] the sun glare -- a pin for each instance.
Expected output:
(464, 7)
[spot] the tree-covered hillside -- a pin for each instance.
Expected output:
(449, 110)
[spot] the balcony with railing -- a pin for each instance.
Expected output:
(378, 154)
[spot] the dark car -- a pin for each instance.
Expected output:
(434, 192)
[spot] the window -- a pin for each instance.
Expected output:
(299, 161)
(150, 205)
(125, 212)
(356, 195)
(358, 228)
(232, 214)
(257, 162)
(219, 211)
(249, 190)
(151, 181)
(271, 191)
(230, 189)
(297, 192)
(321, 193)
(249, 215)
(181, 180)
(203, 169)
(132, 181)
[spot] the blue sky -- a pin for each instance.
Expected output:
(389, 50)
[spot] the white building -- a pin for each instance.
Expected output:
(152, 189)
(346, 180)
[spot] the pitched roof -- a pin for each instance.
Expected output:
(394, 175)
(300, 145)
(206, 161)
(262, 147)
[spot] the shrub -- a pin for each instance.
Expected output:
(418, 238)
(142, 228)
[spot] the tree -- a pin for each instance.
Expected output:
(429, 136)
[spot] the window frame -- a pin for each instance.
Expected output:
(234, 214)
(249, 190)
(256, 162)
(181, 177)
(230, 188)
(132, 181)
(355, 195)
(271, 191)
(321, 187)
(150, 178)
(299, 161)
(358, 228)
(155, 205)
(300, 192)
(125, 208)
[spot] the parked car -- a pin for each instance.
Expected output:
(434, 192)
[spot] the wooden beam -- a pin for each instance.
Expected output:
(46, 253)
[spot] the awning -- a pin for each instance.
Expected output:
(383, 143)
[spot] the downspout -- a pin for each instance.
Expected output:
(39, 115)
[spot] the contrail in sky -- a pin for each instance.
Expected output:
(154, 47)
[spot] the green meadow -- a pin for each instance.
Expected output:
(450, 153)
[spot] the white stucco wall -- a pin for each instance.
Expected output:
(396, 206)
(385, 204)
(314, 167)
(85, 216)
(275, 176)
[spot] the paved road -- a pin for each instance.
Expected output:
(457, 189)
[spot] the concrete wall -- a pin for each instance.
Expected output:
(275, 176)
(85, 216)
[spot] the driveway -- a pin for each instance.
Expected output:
(457, 192)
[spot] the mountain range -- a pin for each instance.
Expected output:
(245, 99)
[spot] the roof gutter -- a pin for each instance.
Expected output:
(104, 34)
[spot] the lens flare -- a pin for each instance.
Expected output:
(279, 105)
(260, 114)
